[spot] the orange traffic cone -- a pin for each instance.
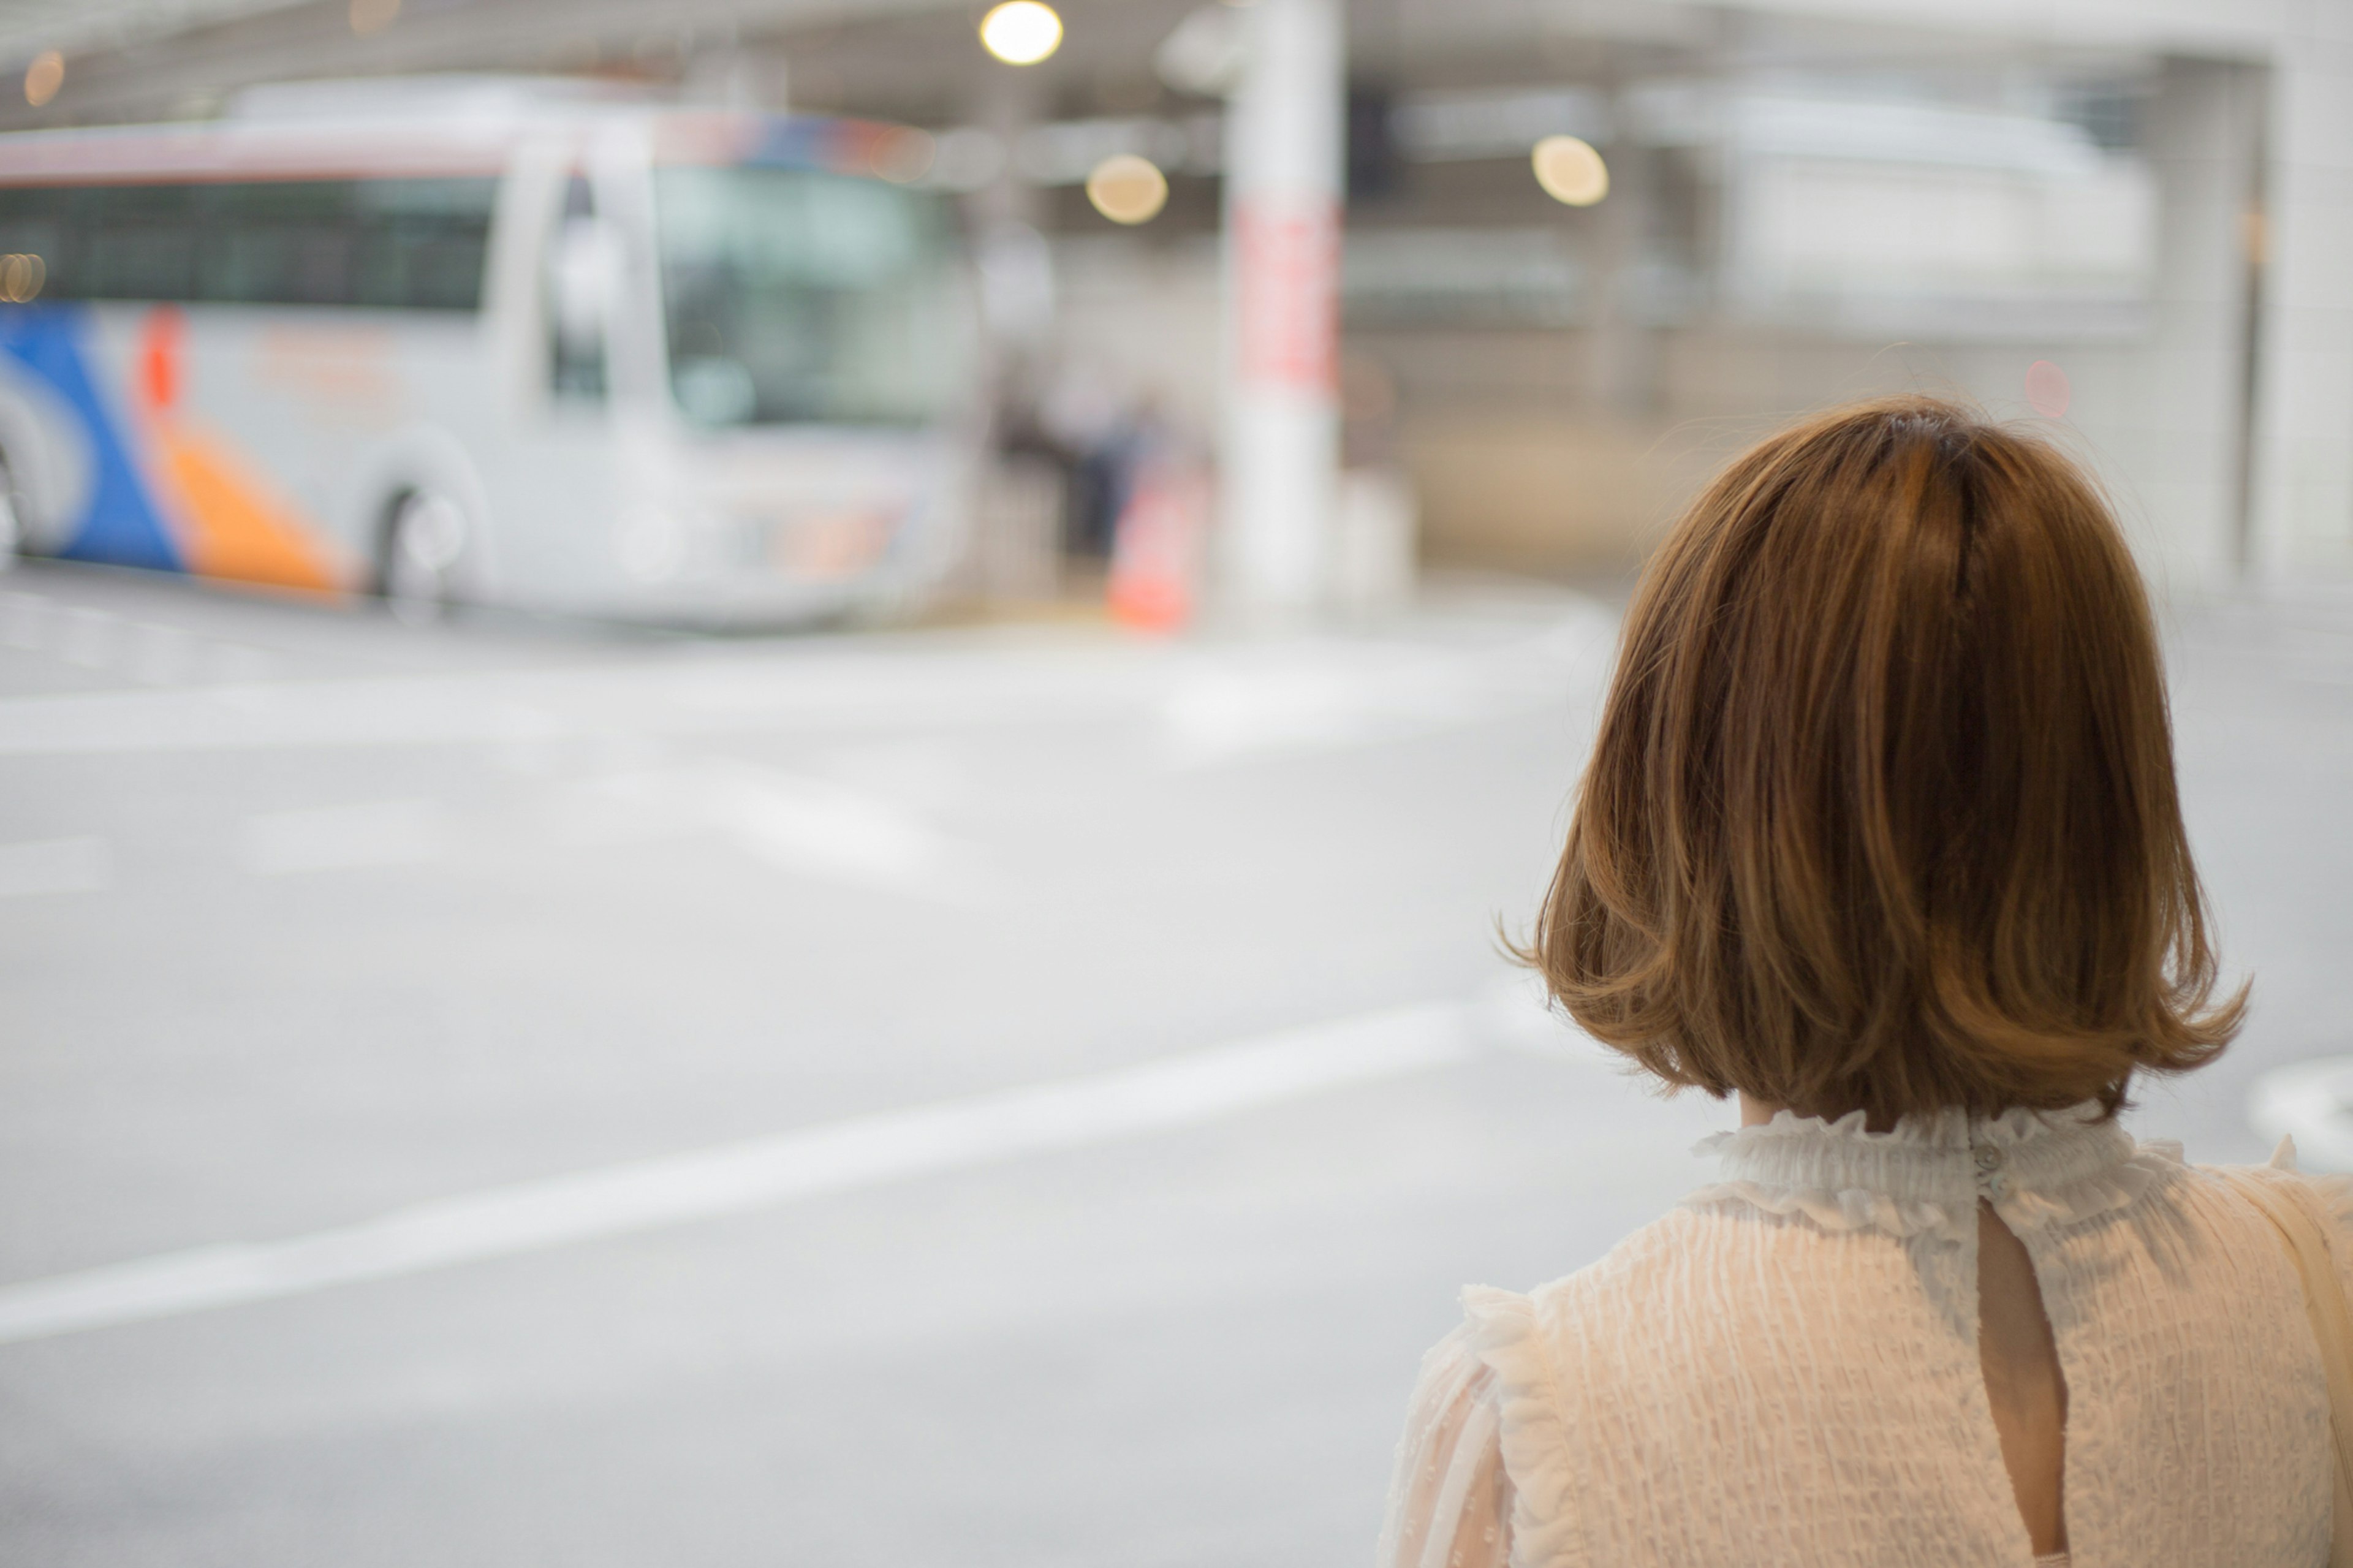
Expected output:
(1156, 546)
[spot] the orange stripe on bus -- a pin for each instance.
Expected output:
(229, 522)
(240, 531)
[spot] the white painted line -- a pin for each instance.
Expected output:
(812, 826)
(343, 837)
(839, 1156)
(1320, 698)
(54, 865)
(817, 826)
(1326, 694)
(2311, 1101)
(1207, 704)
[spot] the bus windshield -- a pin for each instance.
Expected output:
(793, 297)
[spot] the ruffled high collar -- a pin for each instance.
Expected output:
(2037, 1168)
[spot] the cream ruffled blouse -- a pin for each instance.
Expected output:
(1784, 1370)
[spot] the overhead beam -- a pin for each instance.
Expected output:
(150, 73)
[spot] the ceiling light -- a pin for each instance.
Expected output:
(1570, 170)
(1021, 32)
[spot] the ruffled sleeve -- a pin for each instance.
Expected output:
(1483, 1474)
(2330, 1194)
(1450, 1496)
(1503, 1330)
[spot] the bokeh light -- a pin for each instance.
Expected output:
(1128, 189)
(22, 274)
(1021, 32)
(44, 77)
(1570, 170)
(2047, 389)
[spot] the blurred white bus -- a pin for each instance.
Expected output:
(454, 342)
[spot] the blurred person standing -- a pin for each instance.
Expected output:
(1881, 836)
(1090, 416)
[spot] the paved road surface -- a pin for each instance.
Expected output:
(499, 1094)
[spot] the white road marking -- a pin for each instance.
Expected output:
(812, 826)
(835, 1157)
(2311, 1101)
(343, 837)
(656, 698)
(1220, 714)
(1207, 702)
(1320, 694)
(818, 826)
(148, 651)
(54, 865)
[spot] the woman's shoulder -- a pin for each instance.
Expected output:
(1714, 1245)
(1533, 1343)
(2326, 1196)
(1544, 1365)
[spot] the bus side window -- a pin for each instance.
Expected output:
(582, 276)
(32, 223)
(388, 244)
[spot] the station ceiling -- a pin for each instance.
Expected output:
(910, 60)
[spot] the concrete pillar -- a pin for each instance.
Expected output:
(2302, 479)
(2182, 447)
(1006, 106)
(1621, 375)
(1280, 454)
(1021, 501)
(1015, 264)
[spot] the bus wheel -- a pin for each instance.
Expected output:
(423, 541)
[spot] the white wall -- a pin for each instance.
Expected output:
(2301, 527)
(2303, 408)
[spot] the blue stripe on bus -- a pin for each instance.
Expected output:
(121, 526)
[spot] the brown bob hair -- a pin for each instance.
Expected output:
(1882, 814)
